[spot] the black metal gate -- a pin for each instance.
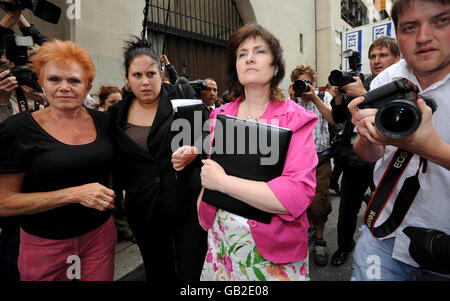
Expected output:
(193, 35)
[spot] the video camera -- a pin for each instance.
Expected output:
(190, 89)
(398, 115)
(340, 78)
(301, 86)
(16, 50)
(40, 8)
(198, 85)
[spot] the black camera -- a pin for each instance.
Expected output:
(301, 86)
(198, 85)
(40, 8)
(16, 50)
(429, 248)
(398, 114)
(341, 78)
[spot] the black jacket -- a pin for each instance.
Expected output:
(148, 178)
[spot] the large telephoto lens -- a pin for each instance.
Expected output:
(398, 119)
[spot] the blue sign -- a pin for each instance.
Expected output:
(353, 42)
(381, 30)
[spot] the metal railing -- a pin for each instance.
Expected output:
(210, 21)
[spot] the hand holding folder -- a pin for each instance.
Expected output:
(241, 148)
(186, 129)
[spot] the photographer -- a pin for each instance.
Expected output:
(15, 57)
(9, 85)
(303, 79)
(9, 236)
(423, 34)
(357, 174)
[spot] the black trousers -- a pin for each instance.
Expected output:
(336, 173)
(9, 249)
(355, 181)
(173, 247)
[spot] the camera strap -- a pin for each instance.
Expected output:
(384, 191)
(22, 102)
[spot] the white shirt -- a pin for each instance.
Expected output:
(431, 208)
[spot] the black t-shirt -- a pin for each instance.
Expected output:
(51, 165)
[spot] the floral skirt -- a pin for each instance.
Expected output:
(232, 255)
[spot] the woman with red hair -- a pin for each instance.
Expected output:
(54, 171)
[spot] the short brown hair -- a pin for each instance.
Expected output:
(399, 7)
(303, 69)
(386, 41)
(235, 40)
(63, 52)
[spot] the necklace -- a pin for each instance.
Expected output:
(249, 116)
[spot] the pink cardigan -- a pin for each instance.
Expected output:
(285, 239)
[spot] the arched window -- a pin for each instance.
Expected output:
(196, 35)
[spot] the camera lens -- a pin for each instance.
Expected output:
(398, 119)
(339, 78)
(300, 87)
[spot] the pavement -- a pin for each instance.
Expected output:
(129, 262)
(331, 272)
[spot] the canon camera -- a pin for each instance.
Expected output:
(398, 115)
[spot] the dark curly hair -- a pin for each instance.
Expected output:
(235, 40)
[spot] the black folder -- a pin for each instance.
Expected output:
(249, 150)
(188, 110)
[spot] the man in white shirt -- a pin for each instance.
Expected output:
(423, 34)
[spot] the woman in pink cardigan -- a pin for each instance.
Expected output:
(243, 249)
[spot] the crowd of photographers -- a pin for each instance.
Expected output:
(366, 124)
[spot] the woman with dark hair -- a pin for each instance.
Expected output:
(55, 171)
(108, 96)
(243, 249)
(159, 202)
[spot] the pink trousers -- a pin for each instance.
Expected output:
(89, 257)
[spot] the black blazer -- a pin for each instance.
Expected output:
(148, 178)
